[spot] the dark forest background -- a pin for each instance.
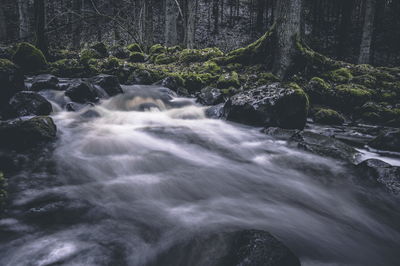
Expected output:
(332, 27)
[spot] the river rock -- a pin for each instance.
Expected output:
(11, 80)
(82, 92)
(382, 173)
(24, 134)
(246, 248)
(45, 82)
(108, 83)
(324, 146)
(389, 141)
(269, 105)
(216, 111)
(28, 103)
(210, 96)
(280, 133)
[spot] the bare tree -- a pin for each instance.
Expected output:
(24, 23)
(171, 19)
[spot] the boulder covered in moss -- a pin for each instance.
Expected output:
(145, 77)
(164, 59)
(341, 75)
(328, 117)
(228, 80)
(134, 47)
(100, 48)
(157, 49)
(27, 103)
(137, 57)
(11, 80)
(68, 68)
(319, 90)
(25, 134)
(199, 55)
(88, 54)
(276, 104)
(29, 58)
(120, 52)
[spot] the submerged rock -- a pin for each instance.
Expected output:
(11, 80)
(45, 82)
(28, 103)
(246, 248)
(389, 141)
(271, 105)
(24, 134)
(382, 173)
(324, 146)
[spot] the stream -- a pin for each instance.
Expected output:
(139, 172)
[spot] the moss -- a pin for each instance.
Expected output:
(349, 96)
(164, 59)
(268, 77)
(69, 68)
(6, 65)
(3, 192)
(228, 80)
(137, 57)
(341, 75)
(29, 58)
(134, 47)
(366, 80)
(195, 82)
(199, 55)
(174, 49)
(101, 48)
(87, 54)
(209, 67)
(157, 49)
(234, 66)
(328, 117)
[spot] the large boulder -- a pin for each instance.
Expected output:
(11, 80)
(108, 83)
(82, 92)
(246, 248)
(389, 141)
(25, 134)
(276, 104)
(27, 103)
(45, 82)
(382, 173)
(29, 58)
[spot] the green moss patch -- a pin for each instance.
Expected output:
(29, 58)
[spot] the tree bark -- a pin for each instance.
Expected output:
(171, 19)
(148, 23)
(40, 24)
(287, 28)
(76, 22)
(23, 12)
(191, 24)
(368, 29)
(3, 29)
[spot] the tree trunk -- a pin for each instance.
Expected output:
(171, 19)
(368, 29)
(342, 49)
(260, 15)
(3, 29)
(23, 12)
(76, 22)
(287, 27)
(40, 24)
(148, 23)
(191, 24)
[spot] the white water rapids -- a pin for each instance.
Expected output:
(128, 180)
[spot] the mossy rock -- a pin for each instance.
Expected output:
(228, 80)
(194, 82)
(134, 47)
(29, 58)
(11, 80)
(366, 80)
(164, 59)
(341, 75)
(157, 49)
(349, 96)
(137, 57)
(209, 67)
(174, 49)
(145, 76)
(328, 117)
(319, 90)
(199, 55)
(69, 68)
(88, 54)
(101, 48)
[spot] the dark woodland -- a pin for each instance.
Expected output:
(200, 132)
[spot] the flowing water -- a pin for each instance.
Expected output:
(137, 173)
